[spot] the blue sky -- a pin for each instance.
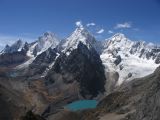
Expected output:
(28, 19)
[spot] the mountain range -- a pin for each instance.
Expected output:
(130, 59)
(49, 72)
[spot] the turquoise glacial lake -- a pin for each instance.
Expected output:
(81, 105)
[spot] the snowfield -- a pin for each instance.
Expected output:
(134, 65)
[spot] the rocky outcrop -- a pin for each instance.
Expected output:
(31, 116)
(157, 61)
(118, 60)
(42, 62)
(11, 59)
(82, 65)
(138, 100)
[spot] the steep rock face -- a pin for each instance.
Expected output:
(82, 65)
(43, 62)
(14, 54)
(136, 100)
(10, 59)
(145, 51)
(149, 106)
(157, 61)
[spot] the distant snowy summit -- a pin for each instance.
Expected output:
(17, 46)
(130, 59)
(44, 42)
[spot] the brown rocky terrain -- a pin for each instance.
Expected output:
(135, 100)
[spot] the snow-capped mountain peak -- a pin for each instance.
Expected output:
(118, 42)
(44, 42)
(118, 37)
(131, 59)
(80, 34)
(48, 39)
(48, 33)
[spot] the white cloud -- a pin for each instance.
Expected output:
(90, 24)
(7, 40)
(123, 25)
(100, 31)
(150, 43)
(110, 32)
(79, 24)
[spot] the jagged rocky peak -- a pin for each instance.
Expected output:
(118, 37)
(47, 40)
(118, 42)
(6, 49)
(82, 66)
(16, 47)
(48, 33)
(131, 59)
(139, 46)
(81, 34)
(18, 43)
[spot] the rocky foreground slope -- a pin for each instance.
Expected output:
(136, 100)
